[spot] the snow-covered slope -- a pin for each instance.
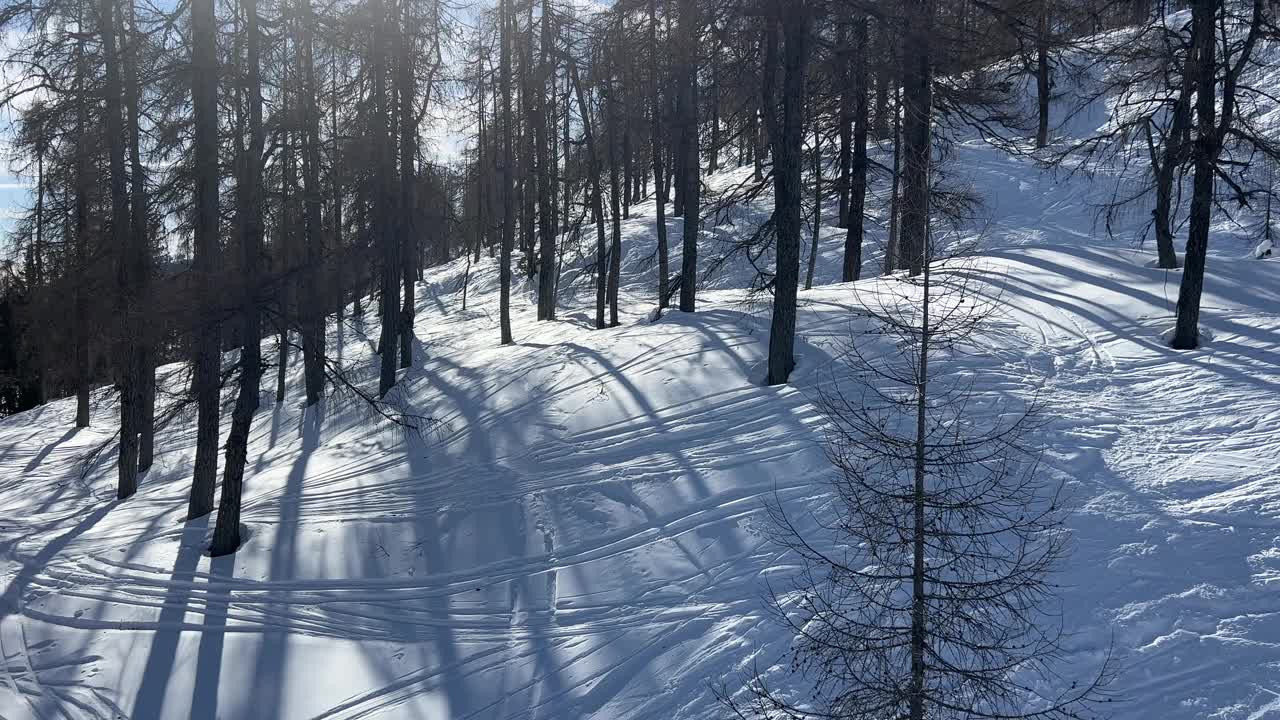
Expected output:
(583, 535)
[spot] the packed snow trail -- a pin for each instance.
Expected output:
(582, 534)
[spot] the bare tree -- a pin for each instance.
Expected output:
(226, 534)
(784, 118)
(923, 593)
(208, 345)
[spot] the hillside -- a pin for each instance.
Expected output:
(582, 534)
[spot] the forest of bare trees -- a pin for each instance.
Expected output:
(242, 175)
(221, 189)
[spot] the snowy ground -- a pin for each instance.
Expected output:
(583, 535)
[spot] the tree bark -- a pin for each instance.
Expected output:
(689, 24)
(208, 351)
(384, 221)
(655, 142)
(543, 140)
(126, 357)
(919, 598)
(597, 202)
(917, 134)
(311, 310)
(612, 139)
(406, 89)
(1187, 331)
(844, 118)
(226, 533)
(508, 176)
(140, 250)
(1211, 134)
(1042, 73)
(895, 196)
(787, 138)
(817, 206)
(852, 268)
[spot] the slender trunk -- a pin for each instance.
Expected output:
(335, 183)
(615, 191)
(311, 309)
(689, 23)
(284, 239)
(852, 269)
(226, 534)
(787, 138)
(1204, 155)
(845, 120)
(817, 206)
(713, 152)
(546, 180)
(564, 136)
(208, 352)
(1042, 74)
(895, 198)
(81, 308)
(917, 135)
(628, 189)
(408, 241)
(919, 597)
(1168, 165)
(884, 78)
(144, 357)
(528, 173)
(508, 175)
(655, 141)
(597, 202)
(384, 218)
(125, 350)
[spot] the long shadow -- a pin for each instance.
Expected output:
(266, 695)
(204, 696)
(148, 702)
(44, 452)
(1199, 359)
(11, 600)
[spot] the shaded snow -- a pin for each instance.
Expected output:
(582, 536)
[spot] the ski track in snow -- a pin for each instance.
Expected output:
(583, 535)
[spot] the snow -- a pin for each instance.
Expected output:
(583, 534)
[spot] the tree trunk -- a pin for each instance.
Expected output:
(144, 356)
(508, 176)
(335, 185)
(385, 223)
(895, 196)
(852, 269)
(226, 534)
(612, 132)
(917, 134)
(597, 202)
(845, 121)
(208, 351)
(919, 597)
(547, 176)
(787, 138)
(312, 312)
(126, 357)
(81, 308)
(655, 141)
(884, 78)
(1168, 167)
(1042, 74)
(688, 123)
(1204, 155)
(817, 206)
(406, 88)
